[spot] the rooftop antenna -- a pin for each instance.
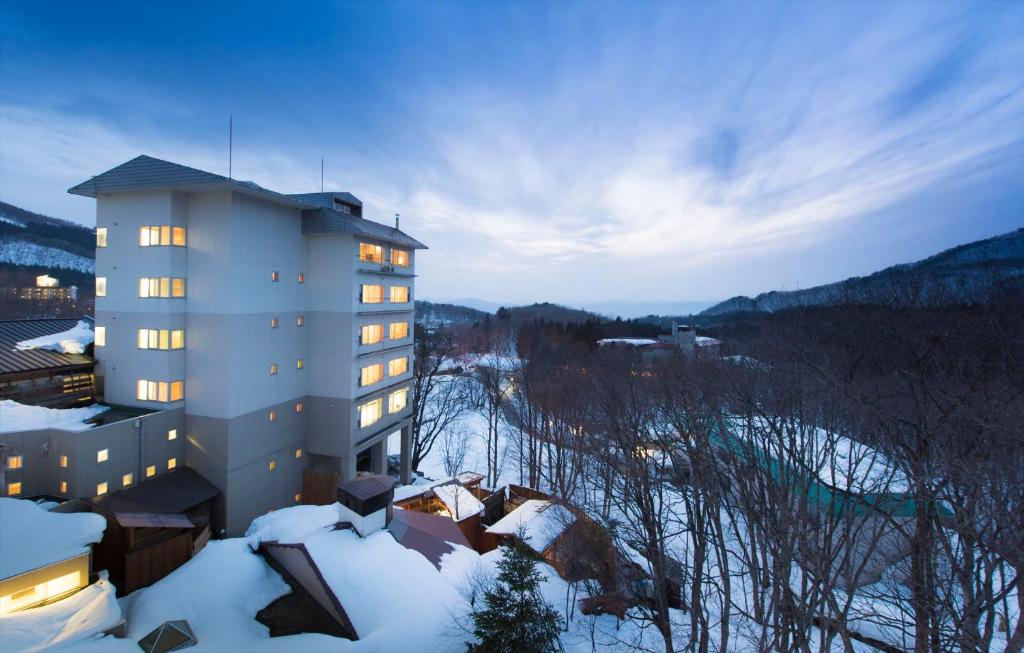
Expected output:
(396, 221)
(321, 174)
(231, 142)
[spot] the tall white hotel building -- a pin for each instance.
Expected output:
(278, 329)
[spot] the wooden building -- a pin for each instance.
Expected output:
(43, 377)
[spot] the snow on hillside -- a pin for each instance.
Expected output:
(23, 253)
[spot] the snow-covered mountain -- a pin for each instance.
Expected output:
(966, 273)
(32, 240)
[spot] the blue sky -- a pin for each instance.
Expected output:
(572, 152)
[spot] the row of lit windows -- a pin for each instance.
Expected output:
(299, 321)
(272, 415)
(371, 334)
(374, 294)
(375, 254)
(159, 390)
(159, 235)
(299, 364)
(272, 464)
(374, 373)
(161, 338)
(161, 287)
(373, 410)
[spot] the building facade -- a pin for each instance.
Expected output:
(279, 327)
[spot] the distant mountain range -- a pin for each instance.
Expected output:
(963, 274)
(32, 240)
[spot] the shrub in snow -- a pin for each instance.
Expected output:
(515, 618)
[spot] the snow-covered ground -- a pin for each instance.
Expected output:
(72, 341)
(16, 417)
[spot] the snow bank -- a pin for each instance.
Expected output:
(292, 525)
(218, 592)
(540, 521)
(32, 537)
(20, 417)
(78, 617)
(632, 342)
(72, 341)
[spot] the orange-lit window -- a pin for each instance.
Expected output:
(63, 461)
(177, 287)
(172, 434)
(398, 366)
(400, 257)
(14, 462)
(101, 488)
(63, 487)
(172, 463)
(177, 390)
(273, 368)
(102, 455)
(101, 286)
(272, 416)
(398, 400)
(178, 236)
(300, 321)
(372, 294)
(371, 374)
(302, 277)
(101, 236)
(272, 465)
(14, 489)
(398, 330)
(100, 337)
(371, 334)
(151, 471)
(298, 407)
(127, 479)
(371, 253)
(274, 276)
(399, 294)
(299, 364)
(298, 454)
(273, 323)
(298, 497)
(370, 412)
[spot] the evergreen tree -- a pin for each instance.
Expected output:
(515, 618)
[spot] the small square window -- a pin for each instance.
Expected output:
(172, 463)
(298, 453)
(63, 487)
(14, 489)
(298, 497)
(273, 368)
(274, 276)
(14, 462)
(101, 236)
(273, 323)
(63, 461)
(151, 471)
(299, 364)
(126, 480)
(300, 321)
(298, 407)
(272, 416)
(101, 488)
(272, 465)
(172, 434)
(102, 455)
(302, 277)
(101, 286)
(100, 336)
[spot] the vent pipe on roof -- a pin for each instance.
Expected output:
(396, 221)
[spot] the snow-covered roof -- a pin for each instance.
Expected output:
(293, 525)
(21, 417)
(540, 521)
(72, 341)
(73, 619)
(632, 342)
(705, 341)
(32, 537)
(459, 501)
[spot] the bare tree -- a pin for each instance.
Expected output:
(439, 398)
(454, 446)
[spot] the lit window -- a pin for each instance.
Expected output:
(101, 236)
(126, 480)
(273, 323)
(302, 277)
(63, 487)
(177, 339)
(102, 455)
(399, 294)
(159, 390)
(14, 489)
(14, 462)
(398, 366)
(371, 334)
(298, 407)
(372, 294)
(273, 368)
(165, 234)
(371, 253)
(177, 390)
(172, 463)
(398, 330)
(172, 434)
(272, 416)
(298, 453)
(63, 461)
(298, 497)
(272, 465)
(161, 394)
(161, 235)
(300, 320)
(397, 400)
(178, 236)
(151, 471)
(274, 276)
(400, 257)
(101, 488)
(100, 336)
(371, 374)
(299, 364)
(177, 287)
(370, 412)
(101, 286)
(150, 287)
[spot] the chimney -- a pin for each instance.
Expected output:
(396, 222)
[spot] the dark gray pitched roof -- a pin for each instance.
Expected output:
(329, 221)
(327, 199)
(146, 173)
(170, 493)
(14, 361)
